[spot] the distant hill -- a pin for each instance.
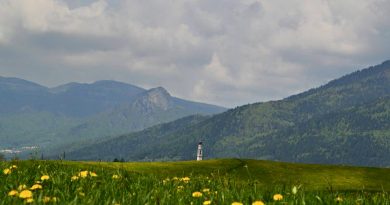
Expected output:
(70, 114)
(343, 122)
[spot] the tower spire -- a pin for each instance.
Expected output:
(199, 155)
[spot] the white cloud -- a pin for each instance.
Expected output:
(226, 52)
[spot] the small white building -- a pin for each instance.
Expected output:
(199, 155)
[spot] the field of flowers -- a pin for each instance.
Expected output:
(56, 182)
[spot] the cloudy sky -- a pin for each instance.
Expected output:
(229, 52)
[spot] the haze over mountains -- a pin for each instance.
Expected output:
(34, 115)
(346, 121)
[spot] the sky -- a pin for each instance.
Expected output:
(229, 52)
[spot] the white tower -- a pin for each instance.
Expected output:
(199, 155)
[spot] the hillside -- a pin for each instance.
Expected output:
(342, 122)
(32, 115)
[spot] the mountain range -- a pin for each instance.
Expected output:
(346, 121)
(69, 115)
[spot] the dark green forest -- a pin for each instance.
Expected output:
(346, 121)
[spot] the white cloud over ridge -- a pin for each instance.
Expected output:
(225, 52)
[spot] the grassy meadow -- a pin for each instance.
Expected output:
(224, 181)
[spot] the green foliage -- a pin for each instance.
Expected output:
(218, 181)
(343, 122)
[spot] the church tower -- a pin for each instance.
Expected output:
(199, 155)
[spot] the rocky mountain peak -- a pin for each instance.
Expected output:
(154, 99)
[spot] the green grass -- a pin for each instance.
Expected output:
(228, 180)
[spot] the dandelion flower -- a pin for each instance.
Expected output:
(45, 177)
(166, 180)
(208, 202)
(83, 174)
(185, 179)
(206, 190)
(46, 199)
(29, 200)
(93, 174)
(13, 193)
(13, 167)
(278, 197)
(237, 203)
(115, 176)
(258, 203)
(74, 178)
(197, 194)
(294, 190)
(7, 171)
(21, 187)
(36, 186)
(339, 199)
(25, 194)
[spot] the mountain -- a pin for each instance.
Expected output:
(82, 100)
(343, 122)
(32, 115)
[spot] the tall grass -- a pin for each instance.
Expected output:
(121, 186)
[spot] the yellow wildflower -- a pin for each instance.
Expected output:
(237, 203)
(166, 180)
(115, 176)
(38, 182)
(45, 177)
(74, 178)
(46, 199)
(339, 199)
(92, 174)
(295, 190)
(7, 171)
(83, 174)
(197, 194)
(21, 187)
(206, 190)
(13, 167)
(258, 203)
(175, 178)
(36, 186)
(208, 202)
(54, 199)
(29, 200)
(25, 194)
(13, 193)
(278, 197)
(185, 179)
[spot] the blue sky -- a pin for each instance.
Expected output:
(223, 52)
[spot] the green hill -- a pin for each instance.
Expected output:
(266, 173)
(342, 122)
(221, 181)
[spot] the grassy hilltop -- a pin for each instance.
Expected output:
(221, 181)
